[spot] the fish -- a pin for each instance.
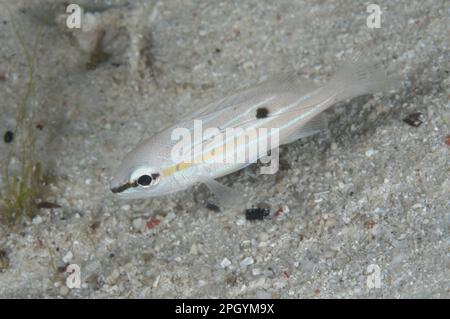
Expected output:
(286, 107)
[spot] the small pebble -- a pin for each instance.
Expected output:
(330, 223)
(334, 146)
(40, 126)
(8, 137)
(447, 140)
(36, 220)
(257, 213)
(247, 261)
(138, 224)
(225, 263)
(4, 260)
(153, 222)
(248, 65)
(113, 277)
(47, 205)
(370, 152)
(64, 291)
(193, 250)
(415, 119)
(279, 284)
(67, 257)
(263, 237)
(169, 217)
(256, 271)
(125, 207)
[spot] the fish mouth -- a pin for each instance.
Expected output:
(123, 187)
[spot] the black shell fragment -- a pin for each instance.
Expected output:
(414, 119)
(257, 213)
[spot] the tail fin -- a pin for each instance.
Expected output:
(360, 77)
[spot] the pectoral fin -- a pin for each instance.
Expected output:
(226, 196)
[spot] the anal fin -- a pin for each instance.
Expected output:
(226, 196)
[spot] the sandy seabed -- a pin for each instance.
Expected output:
(371, 190)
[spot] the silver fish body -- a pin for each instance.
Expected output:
(291, 106)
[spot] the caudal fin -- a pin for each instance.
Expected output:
(360, 76)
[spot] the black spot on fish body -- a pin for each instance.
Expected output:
(262, 112)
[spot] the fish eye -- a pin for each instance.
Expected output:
(144, 180)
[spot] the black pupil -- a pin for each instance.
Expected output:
(144, 180)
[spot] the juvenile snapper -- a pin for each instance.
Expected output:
(286, 106)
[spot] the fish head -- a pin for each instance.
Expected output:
(140, 174)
